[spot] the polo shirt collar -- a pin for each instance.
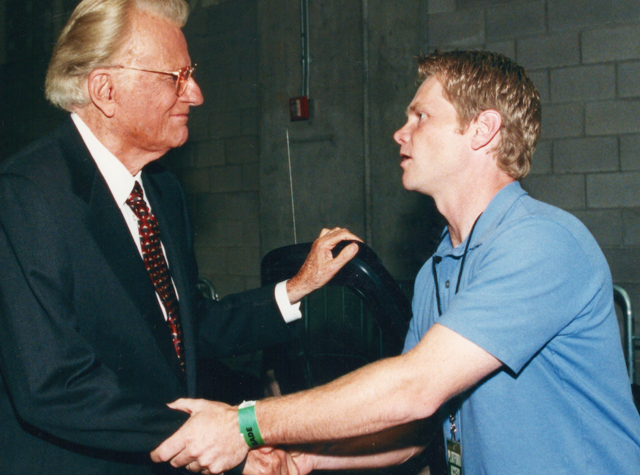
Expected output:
(490, 219)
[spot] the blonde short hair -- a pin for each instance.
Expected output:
(96, 32)
(474, 81)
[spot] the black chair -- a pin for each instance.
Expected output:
(362, 315)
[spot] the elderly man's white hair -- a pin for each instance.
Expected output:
(95, 33)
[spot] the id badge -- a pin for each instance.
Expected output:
(454, 457)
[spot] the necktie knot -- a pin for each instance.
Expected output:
(136, 202)
(136, 194)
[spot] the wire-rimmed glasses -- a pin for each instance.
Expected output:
(180, 77)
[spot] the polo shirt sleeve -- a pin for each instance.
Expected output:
(423, 301)
(526, 284)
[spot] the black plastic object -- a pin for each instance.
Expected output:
(364, 275)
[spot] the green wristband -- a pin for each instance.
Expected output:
(249, 424)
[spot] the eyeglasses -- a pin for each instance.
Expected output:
(180, 77)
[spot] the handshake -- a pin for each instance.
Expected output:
(218, 437)
(211, 442)
(329, 427)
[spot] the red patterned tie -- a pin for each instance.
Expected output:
(156, 265)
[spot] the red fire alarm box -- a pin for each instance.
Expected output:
(299, 108)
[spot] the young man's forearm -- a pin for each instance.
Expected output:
(391, 447)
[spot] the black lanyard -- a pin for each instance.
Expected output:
(436, 260)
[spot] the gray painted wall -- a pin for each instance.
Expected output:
(345, 164)
(219, 166)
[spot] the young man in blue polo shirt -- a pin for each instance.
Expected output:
(514, 345)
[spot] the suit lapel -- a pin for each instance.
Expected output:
(107, 226)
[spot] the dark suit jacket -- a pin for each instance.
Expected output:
(86, 359)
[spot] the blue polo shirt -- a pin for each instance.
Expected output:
(536, 293)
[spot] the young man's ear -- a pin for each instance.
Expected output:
(102, 91)
(487, 125)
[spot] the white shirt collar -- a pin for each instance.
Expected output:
(118, 178)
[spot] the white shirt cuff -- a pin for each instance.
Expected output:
(290, 313)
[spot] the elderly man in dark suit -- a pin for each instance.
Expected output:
(100, 319)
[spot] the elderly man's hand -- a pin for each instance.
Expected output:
(209, 442)
(270, 461)
(320, 265)
(303, 462)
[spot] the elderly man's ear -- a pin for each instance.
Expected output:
(102, 91)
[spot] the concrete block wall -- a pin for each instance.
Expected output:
(219, 166)
(584, 57)
(326, 151)
(28, 31)
(345, 164)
